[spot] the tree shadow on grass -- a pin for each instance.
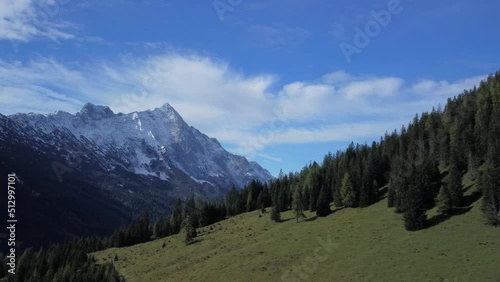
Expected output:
(194, 241)
(440, 218)
(382, 194)
(311, 218)
(337, 209)
(466, 206)
(330, 212)
(467, 188)
(468, 200)
(382, 191)
(435, 220)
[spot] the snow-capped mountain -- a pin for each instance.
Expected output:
(92, 171)
(150, 143)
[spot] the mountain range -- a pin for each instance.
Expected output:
(90, 172)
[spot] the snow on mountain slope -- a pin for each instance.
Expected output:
(149, 143)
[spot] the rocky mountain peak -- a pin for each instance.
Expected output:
(96, 112)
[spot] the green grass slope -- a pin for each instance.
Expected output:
(368, 244)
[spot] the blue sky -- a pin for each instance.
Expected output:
(281, 82)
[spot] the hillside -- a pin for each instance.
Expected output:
(368, 244)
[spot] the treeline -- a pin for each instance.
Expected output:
(60, 263)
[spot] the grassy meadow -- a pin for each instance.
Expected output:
(368, 244)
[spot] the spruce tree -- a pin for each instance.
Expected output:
(412, 194)
(297, 203)
(489, 183)
(305, 198)
(250, 202)
(444, 200)
(413, 208)
(190, 231)
(347, 192)
(457, 161)
(275, 214)
(455, 184)
(391, 195)
(323, 205)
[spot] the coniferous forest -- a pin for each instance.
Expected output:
(417, 167)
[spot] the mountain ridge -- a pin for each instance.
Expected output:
(182, 140)
(96, 162)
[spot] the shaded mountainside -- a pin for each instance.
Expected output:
(94, 171)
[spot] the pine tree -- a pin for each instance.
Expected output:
(297, 203)
(323, 205)
(414, 192)
(413, 208)
(347, 192)
(305, 198)
(231, 202)
(444, 200)
(489, 183)
(204, 215)
(176, 217)
(391, 195)
(250, 202)
(369, 189)
(400, 171)
(190, 231)
(275, 214)
(455, 185)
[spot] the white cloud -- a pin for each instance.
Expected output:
(23, 20)
(383, 87)
(238, 109)
(337, 77)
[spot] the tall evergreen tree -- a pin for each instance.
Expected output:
(489, 183)
(413, 208)
(490, 179)
(454, 185)
(275, 214)
(297, 206)
(444, 200)
(347, 192)
(250, 202)
(323, 205)
(190, 231)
